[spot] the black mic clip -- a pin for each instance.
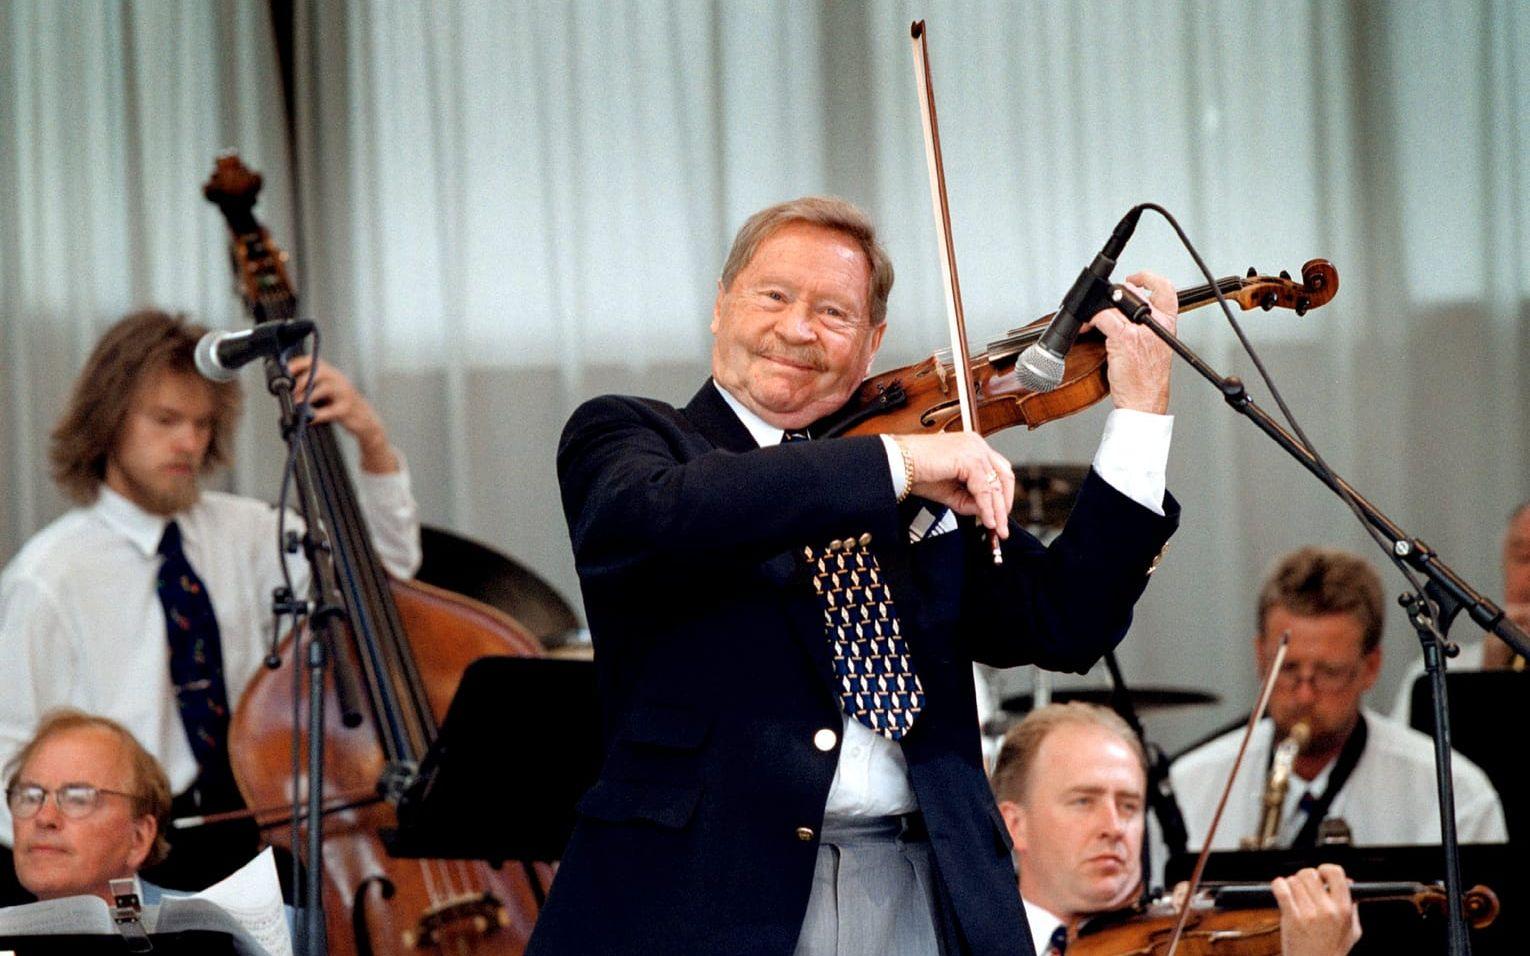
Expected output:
(1133, 306)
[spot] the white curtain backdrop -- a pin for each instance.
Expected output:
(498, 210)
(110, 117)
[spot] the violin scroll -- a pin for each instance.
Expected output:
(1320, 283)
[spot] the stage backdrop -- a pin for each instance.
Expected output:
(498, 210)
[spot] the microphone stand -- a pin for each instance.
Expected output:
(325, 620)
(1445, 587)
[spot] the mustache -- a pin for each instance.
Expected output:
(811, 357)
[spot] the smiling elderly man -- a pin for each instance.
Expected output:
(784, 627)
(87, 806)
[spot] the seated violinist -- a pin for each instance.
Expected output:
(1071, 785)
(88, 805)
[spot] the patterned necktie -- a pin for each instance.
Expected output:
(877, 683)
(1059, 942)
(196, 653)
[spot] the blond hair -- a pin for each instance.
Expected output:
(1022, 744)
(131, 353)
(150, 787)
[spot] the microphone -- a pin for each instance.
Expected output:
(1040, 367)
(220, 355)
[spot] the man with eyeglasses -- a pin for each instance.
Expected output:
(1375, 774)
(784, 627)
(87, 806)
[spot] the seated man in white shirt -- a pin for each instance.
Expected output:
(150, 602)
(87, 806)
(1490, 653)
(1357, 766)
(1070, 782)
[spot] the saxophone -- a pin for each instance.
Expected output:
(1275, 788)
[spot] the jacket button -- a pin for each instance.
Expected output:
(825, 740)
(805, 834)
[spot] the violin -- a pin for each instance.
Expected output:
(1241, 919)
(923, 397)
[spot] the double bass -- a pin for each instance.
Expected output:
(410, 644)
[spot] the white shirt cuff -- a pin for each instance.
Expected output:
(1133, 456)
(895, 465)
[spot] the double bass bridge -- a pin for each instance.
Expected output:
(455, 921)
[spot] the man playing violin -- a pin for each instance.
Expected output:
(1071, 783)
(150, 603)
(784, 628)
(1373, 773)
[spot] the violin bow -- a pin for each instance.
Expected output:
(1216, 818)
(955, 317)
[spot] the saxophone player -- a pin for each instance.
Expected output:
(1355, 765)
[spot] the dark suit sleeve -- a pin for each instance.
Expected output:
(1072, 600)
(639, 487)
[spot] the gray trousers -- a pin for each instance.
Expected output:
(874, 893)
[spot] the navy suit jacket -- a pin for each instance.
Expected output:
(700, 834)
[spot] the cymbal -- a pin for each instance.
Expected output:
(1143, 698)
(1044, 493)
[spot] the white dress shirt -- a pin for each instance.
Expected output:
(871, 778)
(1043, 923)
(81, 624)
(1389, 798)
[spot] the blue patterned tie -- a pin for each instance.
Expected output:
(1059, 942)
(196, 653)
(877, 683)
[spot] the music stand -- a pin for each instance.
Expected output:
(191, 943)
(1478, 702)
(520, 744)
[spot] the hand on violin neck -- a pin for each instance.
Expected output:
(336, 399)
(1317, 916)
(1138, 363)
(961, 471)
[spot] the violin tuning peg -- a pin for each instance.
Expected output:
(1252, 272)
(1284, 274)
(1302, 305)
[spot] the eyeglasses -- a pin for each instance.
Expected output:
(75, 800)
(1325, 678)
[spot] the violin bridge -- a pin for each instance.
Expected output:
(941, 372)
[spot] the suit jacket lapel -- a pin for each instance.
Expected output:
(717, 423)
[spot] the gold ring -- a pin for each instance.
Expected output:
(993, 477)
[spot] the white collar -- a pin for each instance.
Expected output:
(1043, 923)
(143, 529)
(765, 434)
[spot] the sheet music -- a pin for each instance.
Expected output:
(247, 904)
(72, 914)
